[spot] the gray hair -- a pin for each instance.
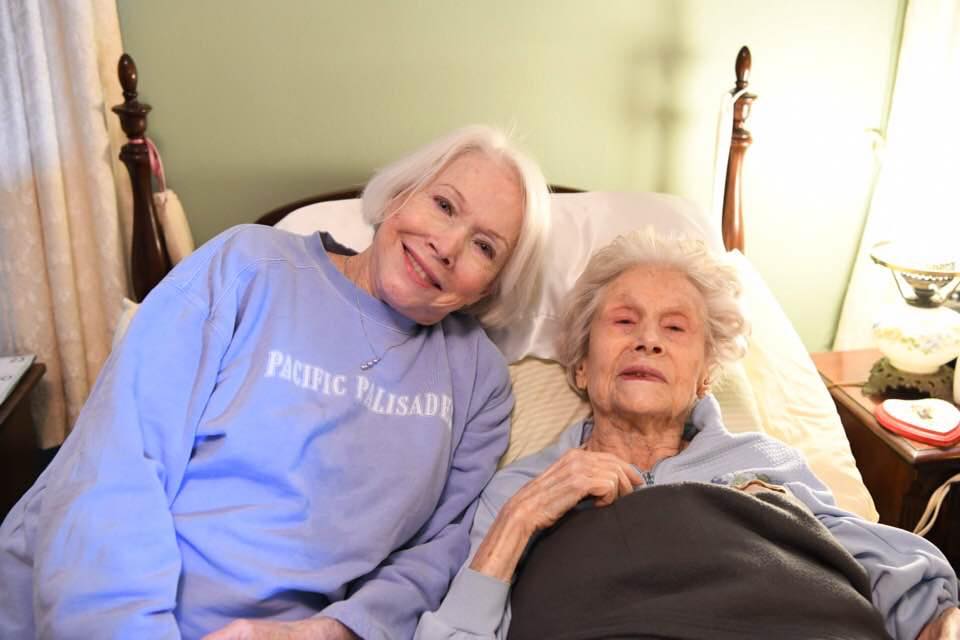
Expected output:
(520, 279)
(714, 277)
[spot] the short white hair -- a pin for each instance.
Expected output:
(519, 280)
(713, 276)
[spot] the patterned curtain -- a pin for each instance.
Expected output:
(62, 275)
(917, 195)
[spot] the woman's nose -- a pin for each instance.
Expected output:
(648, 341)
(649, 347)
(446, 246)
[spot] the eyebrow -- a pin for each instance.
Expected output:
(463, 201)
(623, 305)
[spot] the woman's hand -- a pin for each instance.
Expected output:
(544, 500)
(946, 626)
(578, 474)
(310, 629)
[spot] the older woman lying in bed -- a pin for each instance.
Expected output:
(731, 536)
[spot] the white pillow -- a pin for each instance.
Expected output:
(342, 219)
(795, 406)
(582, 224)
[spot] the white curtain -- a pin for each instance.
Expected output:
(62, 275)
(918, 190)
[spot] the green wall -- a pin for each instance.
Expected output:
(259, 103)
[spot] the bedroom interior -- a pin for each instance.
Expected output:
(250, 121)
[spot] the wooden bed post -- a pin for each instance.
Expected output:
(150, 261)
(732, 225)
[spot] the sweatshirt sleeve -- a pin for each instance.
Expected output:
(387, 602)
(477, 606)
(98, 523)
(910, 579)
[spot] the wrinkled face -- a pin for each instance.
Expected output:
(647, 351)
(443, 247)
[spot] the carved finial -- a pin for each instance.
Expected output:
(133, 113)
(743, 68)
(127, 72)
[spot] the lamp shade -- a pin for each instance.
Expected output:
(921, 335)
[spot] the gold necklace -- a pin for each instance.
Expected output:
(367, 364)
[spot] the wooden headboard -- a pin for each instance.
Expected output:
(150, 260)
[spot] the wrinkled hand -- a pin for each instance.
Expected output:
(310, 629)
(541, 502)
(578, 474)
(946, 626)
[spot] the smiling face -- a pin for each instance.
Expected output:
(443, 247)
(647, 352)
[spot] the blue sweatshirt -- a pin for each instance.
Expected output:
(911, 580)
(234, 461)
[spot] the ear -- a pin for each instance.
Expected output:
(580, 375)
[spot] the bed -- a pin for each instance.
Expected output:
(775, 388)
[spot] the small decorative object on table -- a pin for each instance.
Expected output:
(917, 339)
(929, 420)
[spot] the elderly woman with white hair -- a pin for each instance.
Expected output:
(702, 533)
(289, 436)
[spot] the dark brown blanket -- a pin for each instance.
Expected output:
(692, 561)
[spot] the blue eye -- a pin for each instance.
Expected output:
(487, 249)
(444, 205)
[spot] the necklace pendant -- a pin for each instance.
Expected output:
(369, 363)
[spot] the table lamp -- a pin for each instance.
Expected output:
(918, 338)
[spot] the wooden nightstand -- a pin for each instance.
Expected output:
(899, 473)
(19, 449)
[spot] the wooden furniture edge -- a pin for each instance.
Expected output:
(149, 259)
(24, 386)
(732, 222)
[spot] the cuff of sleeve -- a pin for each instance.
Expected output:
(475, 602)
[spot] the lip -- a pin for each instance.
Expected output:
(432, 282)
(648, 373)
